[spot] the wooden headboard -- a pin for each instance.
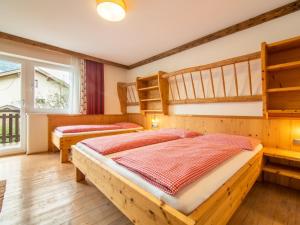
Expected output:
(277, 132)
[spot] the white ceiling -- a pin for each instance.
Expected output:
(150, 27)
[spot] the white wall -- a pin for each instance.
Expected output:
(112, 75)
(237, 44)
(37, 133)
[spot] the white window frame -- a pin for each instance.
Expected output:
(23, 140)
(66, 68)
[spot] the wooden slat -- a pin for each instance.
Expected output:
(177, 88)
(284, 66)
(202, 84)
(184, 85)
(264, 78)
(212, 83)
(149, 88)
(235, 80)
(4, 128)
(286, 89)
(250, 77)
(153, 110)
(253, 98)
(150, 100)
(282, 170)
(262, 18)
(129, 96)
(193, 86)
(171, 90)
(17, 127)
(284, 111)
(223, 81)
(284, 44)
(282, 154)
(134, 98)
(10, 128)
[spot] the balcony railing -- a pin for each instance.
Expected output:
(10, 127)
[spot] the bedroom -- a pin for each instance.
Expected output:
(100, 98)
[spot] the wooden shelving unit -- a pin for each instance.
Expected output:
(281, 78)
(289, 169)
(153, 93)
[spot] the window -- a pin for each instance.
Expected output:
(52, 88)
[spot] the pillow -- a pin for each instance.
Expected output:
(126, 125)
(183, 133)
(243, 142)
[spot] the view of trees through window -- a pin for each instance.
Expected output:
(51, 88)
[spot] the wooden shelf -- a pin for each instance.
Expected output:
(153, 93)
(151, 100)
(282, 170)
(284, 111)
(284, 66)
(281, 68)
(153, 77)
(286, 89)
(149, 88)
(281, 162)
(282, 154)
(285, 44)
(153, 110)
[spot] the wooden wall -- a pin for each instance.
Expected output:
(277, 132)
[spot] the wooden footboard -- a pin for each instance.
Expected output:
(143, 208)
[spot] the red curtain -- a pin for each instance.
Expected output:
(94, 87)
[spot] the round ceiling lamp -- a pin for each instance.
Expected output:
(111, 10)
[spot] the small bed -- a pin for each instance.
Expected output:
(222, 189)
(64, 137)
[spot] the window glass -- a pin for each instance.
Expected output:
(51, 88)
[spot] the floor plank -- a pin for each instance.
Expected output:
(40, 190)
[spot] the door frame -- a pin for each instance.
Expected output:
(22, 147)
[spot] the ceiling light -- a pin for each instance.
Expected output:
(111, 10)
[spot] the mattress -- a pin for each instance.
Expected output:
(60, 134)
(190, 197)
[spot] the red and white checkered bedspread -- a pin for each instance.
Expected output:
(173, 165)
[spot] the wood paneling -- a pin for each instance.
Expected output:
(270, 15)
(58, 49)
(56, 120)
(276, 132)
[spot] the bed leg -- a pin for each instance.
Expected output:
(64, 155)
(79, 175)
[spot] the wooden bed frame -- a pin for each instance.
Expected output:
(64, 143)
(143, 208)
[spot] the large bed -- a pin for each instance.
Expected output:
(209, 200)
(67, 136)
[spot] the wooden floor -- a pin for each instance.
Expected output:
(40, 190)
